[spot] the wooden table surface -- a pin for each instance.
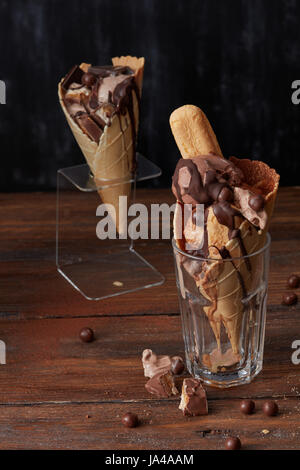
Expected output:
(59, 393)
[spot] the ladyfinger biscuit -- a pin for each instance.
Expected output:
(193, 133)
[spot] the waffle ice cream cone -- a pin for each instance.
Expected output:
(223, 282)
(112, 159)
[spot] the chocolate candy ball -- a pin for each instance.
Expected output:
(225, 195)
(256, 202)
(232, 443)
(177, 365)
(130, 420)
(270, 408)
(86, 335)
(247, 407)
(88, 79)
(290, 298)
(293, 281)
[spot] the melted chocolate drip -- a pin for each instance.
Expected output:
(123, 101)
(225, 215)
(196, 189)
(213, 189)
(224, 253)
(107, 70)
(120, 100)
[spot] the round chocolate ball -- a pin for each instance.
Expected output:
(270, 408)
(232, 443)
(247, 407)
(225, 195)
(256, 202)
(293, 281)
(177, 365)
(86, 335)
(289, 298)
(88, 79)
(130, 420)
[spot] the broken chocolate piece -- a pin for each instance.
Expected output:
(154, 364)
(193, 398)
(74, 75)
(89, 127)
(177, 366)
(162, 385)
(106, 70)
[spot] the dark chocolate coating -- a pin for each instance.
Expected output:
(256, 202)
(270, 408)
(233, 443)
(130, 420)
(177, 366)
(86, 335)
(247, 407)
(289, 298)
(225, 195)
(88, 79)
(293, 281)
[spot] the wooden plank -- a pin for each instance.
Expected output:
(46, 361)
(32, 288)
(162, 426)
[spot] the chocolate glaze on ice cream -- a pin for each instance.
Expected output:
(213, 181)
(237, 197)
(94, 97)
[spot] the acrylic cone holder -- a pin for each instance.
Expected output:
(97, 268)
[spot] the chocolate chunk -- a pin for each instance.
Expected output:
(86, 335)
(225, 195)
(247, 407)
(106, 70)
(89, 127)
(233, 443)
(289, 298)
(193, 398)
(154, 364)
(270, 408)
(130, 420)
(256, 202)
(293, 281)
(98, 120)
(177, 365)
(225, 215)
(88, 79)
(162, 385)
(74, 75)
(93, 101)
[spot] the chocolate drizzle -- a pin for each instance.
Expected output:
(211, 184)
(196, 189)
(120, 101)
(224, 253)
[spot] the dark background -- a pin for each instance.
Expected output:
(236, 59)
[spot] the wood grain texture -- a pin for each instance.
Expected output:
(52, 380)
(46, 361)
(162, 426)
(31, 286)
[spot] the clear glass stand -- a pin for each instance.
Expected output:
(97, 268)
